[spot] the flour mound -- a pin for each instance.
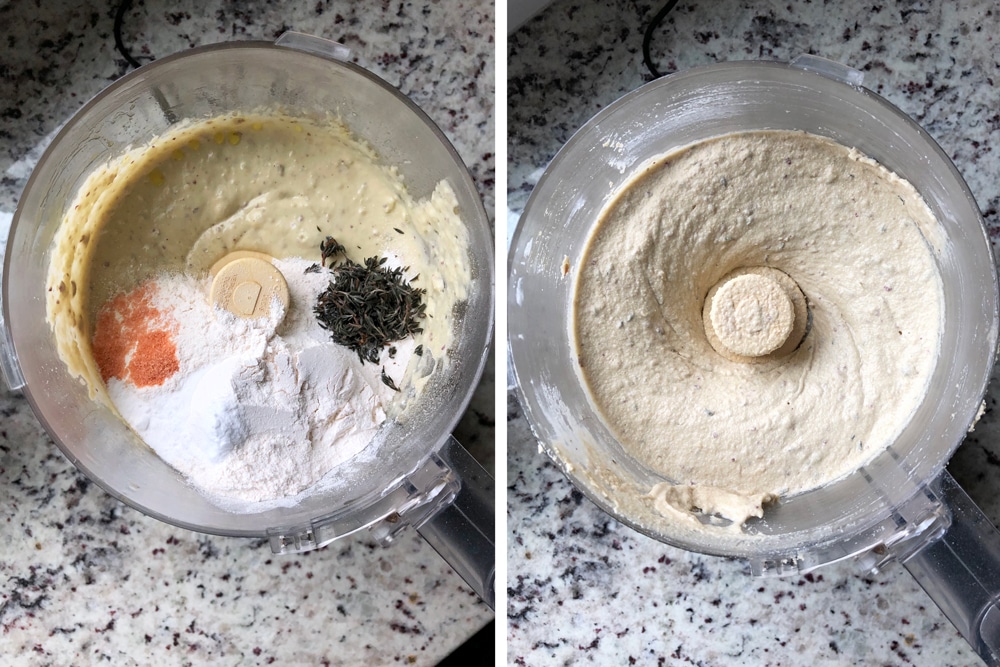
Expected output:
(259, 410)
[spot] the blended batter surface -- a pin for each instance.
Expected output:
(268, 184)
(758, 315)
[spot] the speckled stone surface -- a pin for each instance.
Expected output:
(85, 579)
(584, 589)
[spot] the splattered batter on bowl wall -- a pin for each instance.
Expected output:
(255, 295)
(758, 315)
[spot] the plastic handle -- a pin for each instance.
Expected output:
(464, 531)
(300, 41)
(961, 570)
(829, 68)
(327, 48)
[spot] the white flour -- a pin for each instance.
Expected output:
(257, 413)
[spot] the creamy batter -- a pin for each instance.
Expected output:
(266, 183)
(758, 315)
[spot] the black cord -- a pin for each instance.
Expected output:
(123, 7)
(647, 37)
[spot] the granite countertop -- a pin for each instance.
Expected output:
(85, 579)
(584, 589)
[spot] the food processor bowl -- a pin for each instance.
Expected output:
(896, 504)
(411, 477)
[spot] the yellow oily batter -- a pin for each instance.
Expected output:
(267, 183)
(757, 315)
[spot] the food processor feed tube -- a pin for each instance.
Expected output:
(412, 472)
(899, 504)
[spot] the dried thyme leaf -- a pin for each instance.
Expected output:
(367, 306)
(387, 381)
(329, 247)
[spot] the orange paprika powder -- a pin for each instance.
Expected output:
(134, 341)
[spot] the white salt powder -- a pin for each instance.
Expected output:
(258, 412)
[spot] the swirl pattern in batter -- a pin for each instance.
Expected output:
(729, 432)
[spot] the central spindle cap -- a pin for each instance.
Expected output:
(755, 313)
(247, 284)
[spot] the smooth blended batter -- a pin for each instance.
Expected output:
(799, 392)
(266, 183)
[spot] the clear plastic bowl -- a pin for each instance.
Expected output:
(404, 480)
(841, 519)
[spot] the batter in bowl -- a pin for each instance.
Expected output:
(267, 183)
(757, 315)
(151, 228)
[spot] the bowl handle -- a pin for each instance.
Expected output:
(960, 570)
(831, 69)
(464, 531)
(301, 41)
(449, 500)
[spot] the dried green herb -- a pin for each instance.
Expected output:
(367, 306)
(387, 381)
(419, 350)
(329, 247)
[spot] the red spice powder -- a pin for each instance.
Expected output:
(133, 341)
